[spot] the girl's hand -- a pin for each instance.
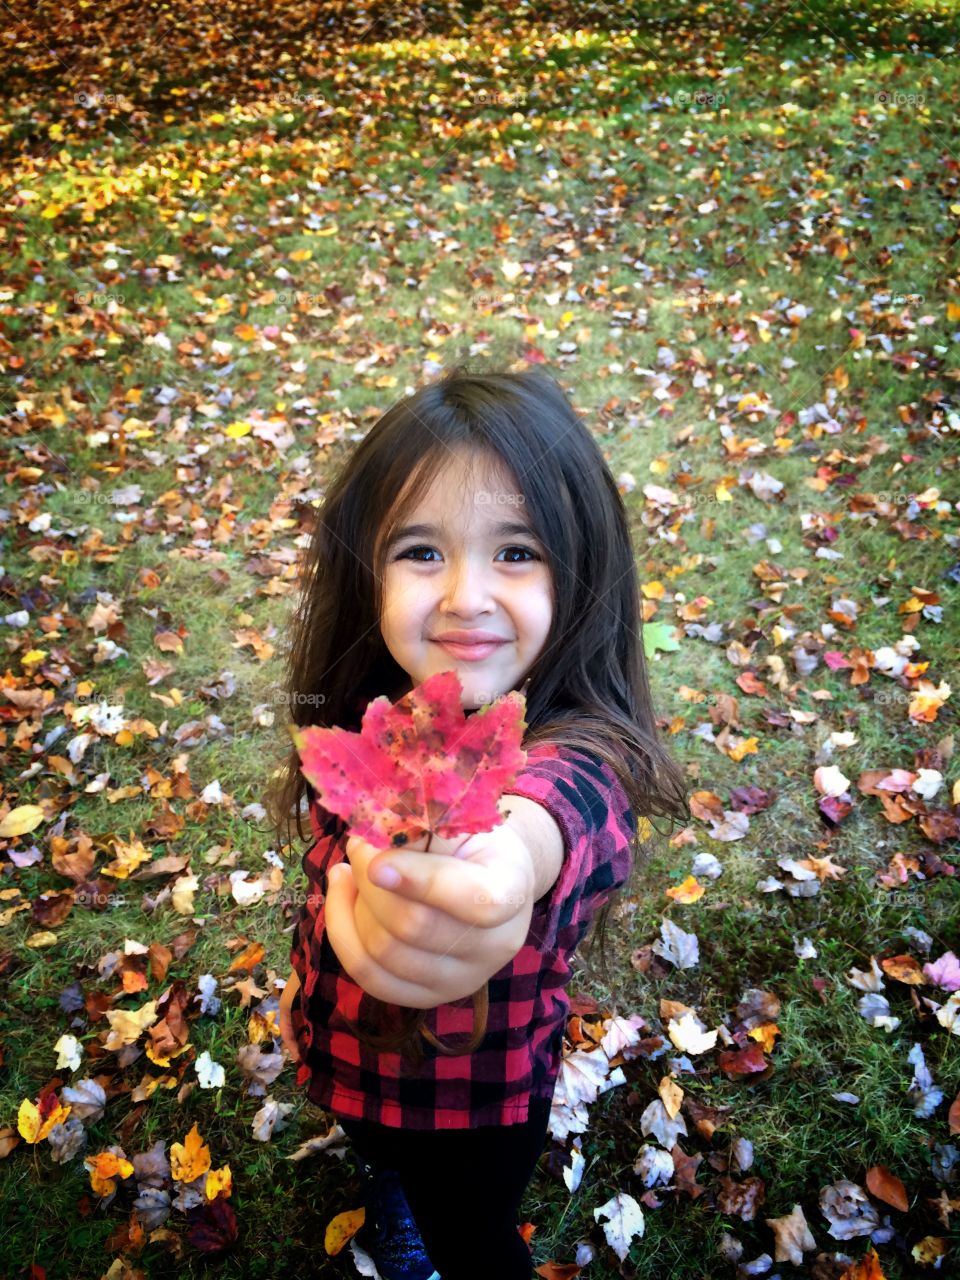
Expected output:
(286, 1022)
(448, 925)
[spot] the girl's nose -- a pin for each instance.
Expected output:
(466, 591)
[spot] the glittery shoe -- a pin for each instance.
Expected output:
(389, 1234)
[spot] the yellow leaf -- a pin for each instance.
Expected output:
(129, 856)
(190, 1158)
(52, 210)
(341, 1230)
(219, 1180)
(238, 429)
(30, 1125)
(327, 231)
(766, 1035)
(953, 308)
(42, 938)
(127, 1025)
(671, 1095)
(22, 820)
(301, 255)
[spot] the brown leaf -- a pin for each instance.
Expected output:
(792, 1235)
(76, 865)
(685, 1172)
(887, 1187)
(741, 1198)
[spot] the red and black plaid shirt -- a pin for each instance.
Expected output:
(519, 1057)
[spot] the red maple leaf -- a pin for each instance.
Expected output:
(418, 765)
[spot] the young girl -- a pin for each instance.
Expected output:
(476, 528)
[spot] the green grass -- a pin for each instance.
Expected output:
(606, 127)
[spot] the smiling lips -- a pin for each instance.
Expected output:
(471, 646)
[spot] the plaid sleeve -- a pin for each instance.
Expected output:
(590, 806)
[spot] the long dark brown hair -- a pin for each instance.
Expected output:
(588, 687)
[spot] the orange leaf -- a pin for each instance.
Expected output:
(248, 957)
(866, 1268)
(190, 1158)
(689, 891)
(903, 969)
(887, 1187)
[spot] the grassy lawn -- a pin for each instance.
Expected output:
(233, 235)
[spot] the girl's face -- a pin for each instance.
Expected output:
(465, 572)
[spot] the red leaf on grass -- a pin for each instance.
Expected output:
(419, 765)
(743, 1062)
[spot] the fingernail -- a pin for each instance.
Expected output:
(386, 877)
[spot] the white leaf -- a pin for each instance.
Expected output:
(245, 891)
(209, 1073)
(625, 1222)
(830, 781)
(653, 1165)
(680, 948)
(872, 981)
(574, 1172)
(581, 1075)
(656, 1120)
(687, 1036)
(69, 1052)
(948, 1015)
(924, 1094)
(621, 1034)
(270, 1119)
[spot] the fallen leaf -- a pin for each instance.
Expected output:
(793, 1237)
(887, 1187)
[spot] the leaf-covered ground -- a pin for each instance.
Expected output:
(232, 235)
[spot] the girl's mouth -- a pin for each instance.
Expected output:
(470, 652)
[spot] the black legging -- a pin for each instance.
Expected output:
(464, 1188)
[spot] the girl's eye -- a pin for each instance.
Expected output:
(410, 553)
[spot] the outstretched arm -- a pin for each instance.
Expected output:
(452, 921)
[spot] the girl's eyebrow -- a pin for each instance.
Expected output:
(503, 530)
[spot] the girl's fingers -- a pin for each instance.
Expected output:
(342, 932)
(487, 889)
